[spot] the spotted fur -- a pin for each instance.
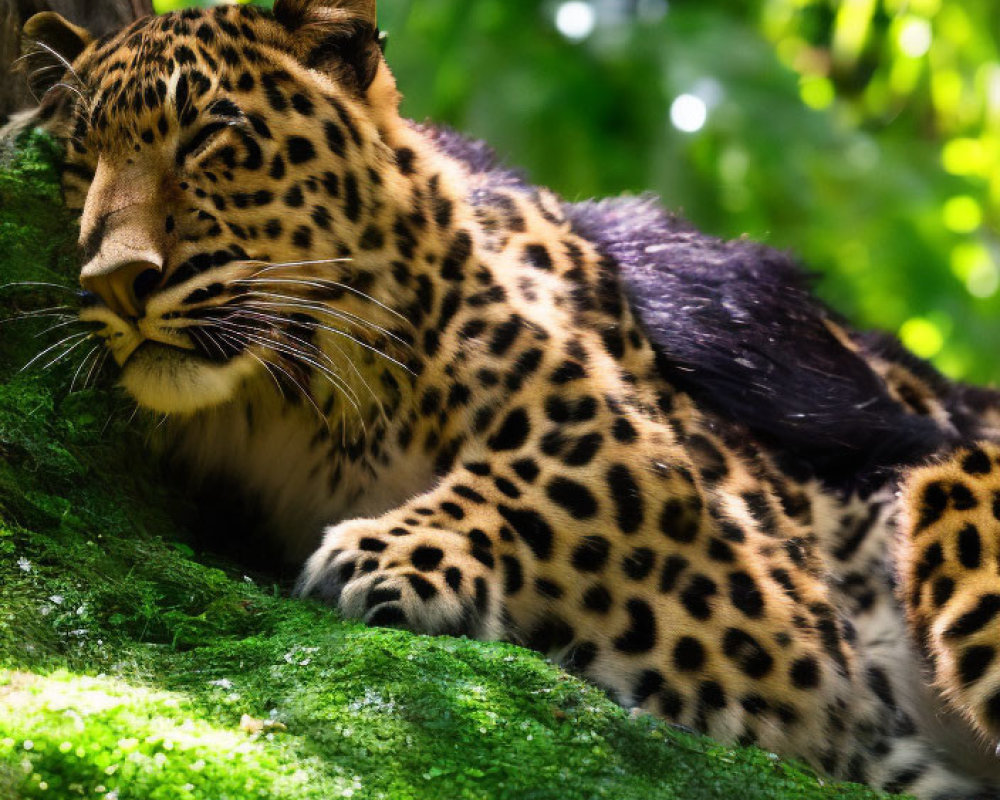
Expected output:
(473, 408)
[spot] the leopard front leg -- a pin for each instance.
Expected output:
(410, 569)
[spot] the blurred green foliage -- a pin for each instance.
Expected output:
(864, 135)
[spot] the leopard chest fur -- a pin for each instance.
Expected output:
(293, 465)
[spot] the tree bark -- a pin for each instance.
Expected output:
(97, 16)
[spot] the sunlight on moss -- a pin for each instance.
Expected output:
(69, 735)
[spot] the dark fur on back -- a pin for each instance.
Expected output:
(738, 328)
(477, 155)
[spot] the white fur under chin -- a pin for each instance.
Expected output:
(170, 381)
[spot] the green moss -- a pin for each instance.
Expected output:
(152, 744)
(95, 580)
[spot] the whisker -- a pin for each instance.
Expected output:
(39, 316)
(305, 393)
(64, 354)
(347, 316)
(61, 356)
(25, 57)
(354, 339)
(50, 348)
(65, 311)
(259, 311)
(272, 265)
(201, 334)
(312, 312)
(19, 284)
(99, 363)
(324, 283)
(62, 60)
(41, 70)
(267, 368)
(67, 86)
(34, 53)
(281, 347)
(307, 352)
(107, 422)
(310, 348)
(378, 401)
(62, 65)
(94, 352)
(273, 319)
(364, 382)
(63, 324)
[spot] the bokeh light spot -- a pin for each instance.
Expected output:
(962, 214)
(922, 336)
(966, 258)
(817, 92)
(915, 37)
(576, 19)
(964, 156)
(983, 280)
(688, 113)
(946, 90)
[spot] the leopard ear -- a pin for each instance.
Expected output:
(339, 36)
(49, 44)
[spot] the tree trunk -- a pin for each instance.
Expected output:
(97, 17)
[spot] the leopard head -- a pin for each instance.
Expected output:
(239, 204)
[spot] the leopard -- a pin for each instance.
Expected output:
(465, 406)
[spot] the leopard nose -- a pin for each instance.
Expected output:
(123, 287)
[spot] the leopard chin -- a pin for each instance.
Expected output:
(169, 380)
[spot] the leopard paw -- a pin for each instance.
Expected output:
(423, 580)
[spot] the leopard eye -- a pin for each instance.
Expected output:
(82, 173)
(200, 141)
(76, 180)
